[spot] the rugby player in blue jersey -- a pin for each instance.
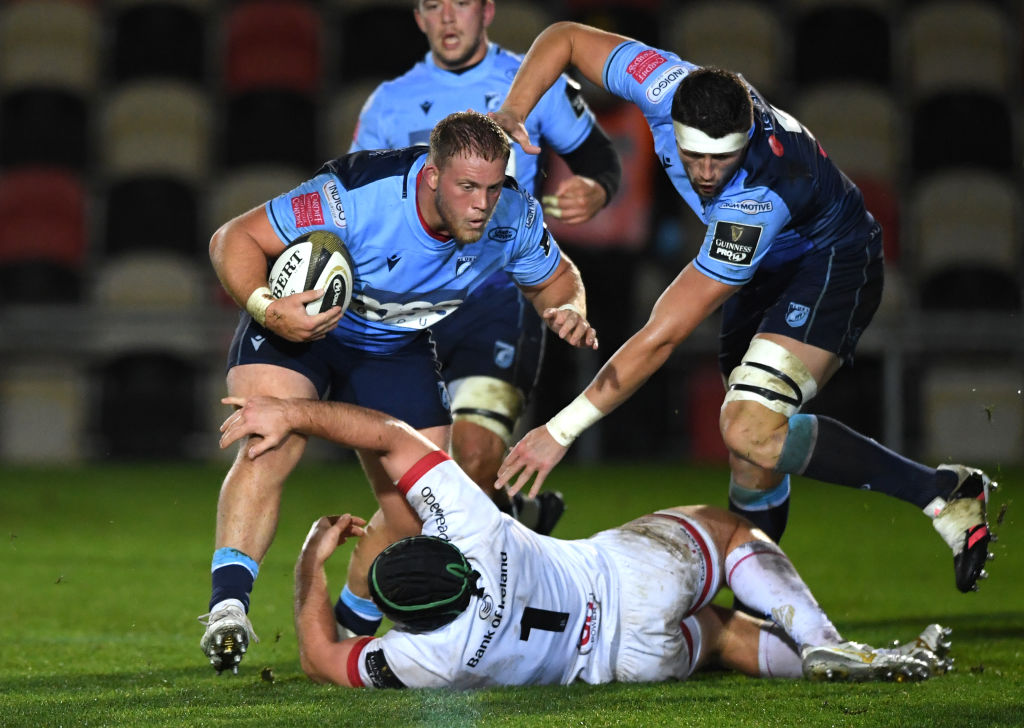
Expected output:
(491, 352)
(794, 258)
(424, 227)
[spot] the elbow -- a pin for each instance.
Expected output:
(314, 670)
(218, 241)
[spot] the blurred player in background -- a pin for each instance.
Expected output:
(491, 352)
(424, 228)
(796, 261)
(479, 600)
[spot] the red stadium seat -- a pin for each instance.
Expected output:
(42, 235)
(883, 202)
(273, 44)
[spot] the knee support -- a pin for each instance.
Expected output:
(770, 375)
(488, 402)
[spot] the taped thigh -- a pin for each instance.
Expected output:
(770, 375)
(488, 402)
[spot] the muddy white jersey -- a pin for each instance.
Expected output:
(539, 620)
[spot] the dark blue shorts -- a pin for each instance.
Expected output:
(405, 384)
(825, 298)
(494, 333)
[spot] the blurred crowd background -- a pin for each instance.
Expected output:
(130, 129)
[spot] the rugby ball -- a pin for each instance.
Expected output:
(315, 260)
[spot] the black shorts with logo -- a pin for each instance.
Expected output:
(404, 383)
(494, 333)
(825, 298)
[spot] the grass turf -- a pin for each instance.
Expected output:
(105, 568)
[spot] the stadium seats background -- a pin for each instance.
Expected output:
(130, 129)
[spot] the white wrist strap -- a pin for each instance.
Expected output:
(571, 307)
(257, 304)
(570, 423)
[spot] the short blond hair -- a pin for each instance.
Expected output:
(468, 134)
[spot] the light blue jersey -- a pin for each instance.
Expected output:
(787, 198)
(405, 278)
(403, 111)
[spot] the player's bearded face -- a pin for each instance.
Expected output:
(467, 192)
(455, 29)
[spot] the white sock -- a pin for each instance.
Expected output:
(777, 655)
(762, 577)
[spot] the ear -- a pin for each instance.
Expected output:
(431, 175)
(488, 13)
(419, 19)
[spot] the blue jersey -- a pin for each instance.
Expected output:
(786, 199)
(403, 111)
(406, 279)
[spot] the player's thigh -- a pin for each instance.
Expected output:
(253, 344)
(269, 380)
(497, 335)
(405, 384)
(825, 299)
(718, 524)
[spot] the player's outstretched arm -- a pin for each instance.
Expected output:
(688, 300)
(561, 301)
(561, 45)
(323, 658)
(240, 252)
(267, 421)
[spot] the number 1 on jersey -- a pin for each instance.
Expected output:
(544, 619)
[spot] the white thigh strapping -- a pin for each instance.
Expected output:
(491, 403)
(773, 377)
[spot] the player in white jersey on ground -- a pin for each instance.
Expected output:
(424, 228)
(491, 353)
(479, 600)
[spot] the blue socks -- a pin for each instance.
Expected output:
(827, 450)
(766, 509)
(358, 615)
(232, 574)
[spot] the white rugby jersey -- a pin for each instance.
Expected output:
(539, 621)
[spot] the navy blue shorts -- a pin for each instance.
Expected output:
(825, 298)
(494, 333)
(405, 384)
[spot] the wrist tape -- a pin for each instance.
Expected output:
(257, 304)
(570, 423)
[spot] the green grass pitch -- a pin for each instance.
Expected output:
(105, 568)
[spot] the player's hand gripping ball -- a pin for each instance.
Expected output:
(312, 261)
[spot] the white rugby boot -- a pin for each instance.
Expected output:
(227, 636)
(962, 521)
(857, 662)
(932, 646)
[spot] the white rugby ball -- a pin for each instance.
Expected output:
(315, 260)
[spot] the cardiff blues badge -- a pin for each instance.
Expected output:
(797, 314)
